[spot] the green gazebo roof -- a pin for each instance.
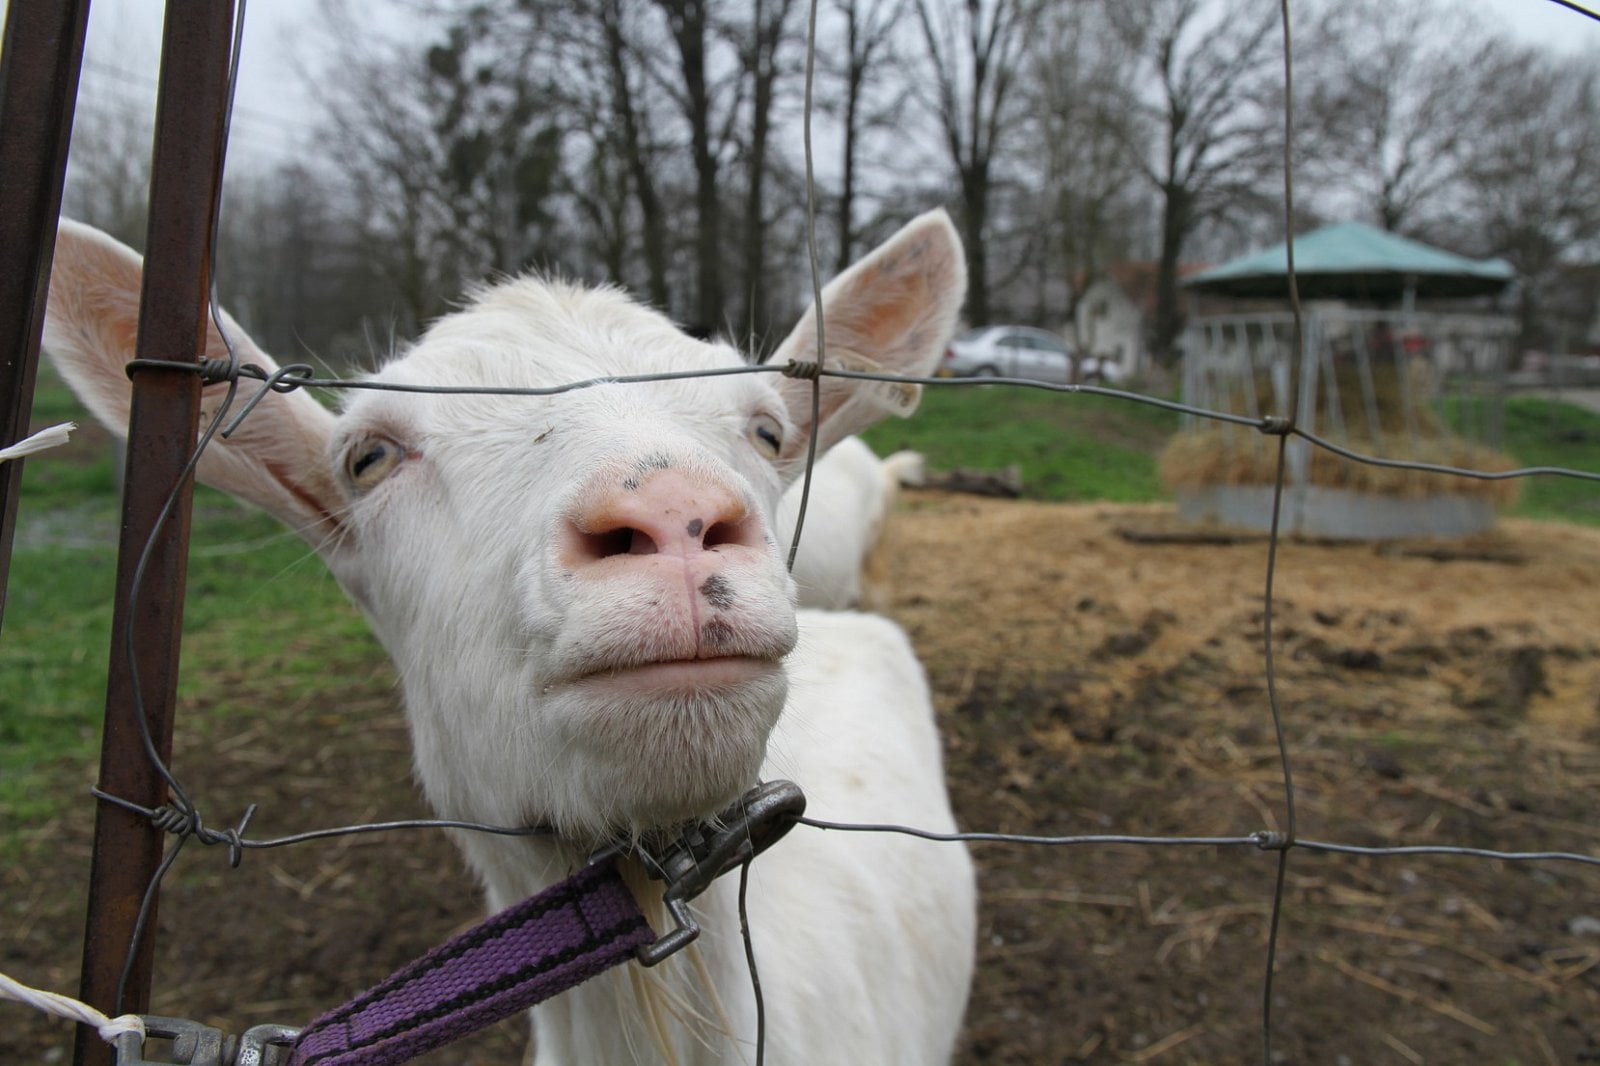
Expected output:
(1352, 260)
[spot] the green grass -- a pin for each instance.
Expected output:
(1541, 432)
(1086, 447)
(265, 626)
(1068, 446)
(1546, 433)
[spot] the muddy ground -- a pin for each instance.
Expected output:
(1093, 677)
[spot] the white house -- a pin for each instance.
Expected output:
(1114, 315)
(1109, 324)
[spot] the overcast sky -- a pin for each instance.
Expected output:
(1545, 23)
(273, 112)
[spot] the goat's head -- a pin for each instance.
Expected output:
(581, 591)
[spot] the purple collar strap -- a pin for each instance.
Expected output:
(544, 945)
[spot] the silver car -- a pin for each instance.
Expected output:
(1020, 352)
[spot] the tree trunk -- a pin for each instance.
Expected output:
(854, 77)
(687, 19)
(1175, 226)
(766, 37)
(652, 221)
(974, 220)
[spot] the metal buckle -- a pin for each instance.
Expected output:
(194, 1044)
(261, 1045)
(706, 851)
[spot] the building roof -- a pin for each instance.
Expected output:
(1353, 260)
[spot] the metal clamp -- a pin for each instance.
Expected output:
(712, 848)
(194, 1044)
(265, 1045)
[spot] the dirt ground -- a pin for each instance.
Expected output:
(1093, 677)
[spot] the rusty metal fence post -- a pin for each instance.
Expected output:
(162, 429)
(39, 64)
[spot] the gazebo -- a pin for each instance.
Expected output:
(1356, 262)
(1379, 376)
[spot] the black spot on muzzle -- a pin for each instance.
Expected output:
(718, 592)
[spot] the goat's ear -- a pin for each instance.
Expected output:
(892, 311)
(276, 459)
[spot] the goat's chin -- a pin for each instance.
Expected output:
(661, 745)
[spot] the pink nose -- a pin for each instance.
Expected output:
(664, 512)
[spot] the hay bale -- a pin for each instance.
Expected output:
(1221, 454)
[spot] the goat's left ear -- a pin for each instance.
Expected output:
(892, 311)
(277, 460)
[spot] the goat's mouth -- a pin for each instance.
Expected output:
(718, 654)
(702, 674)
(666, 737)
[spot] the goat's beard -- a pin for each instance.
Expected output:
(633, 761)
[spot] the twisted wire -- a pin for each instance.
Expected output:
(300, 376)
(1260, 839)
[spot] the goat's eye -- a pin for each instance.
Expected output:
(371, 459)
(766, 433)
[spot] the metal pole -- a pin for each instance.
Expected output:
(162, 428)
(39, 63)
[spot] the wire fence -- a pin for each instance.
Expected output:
(183, 816)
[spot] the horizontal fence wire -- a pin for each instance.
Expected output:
(183, 817)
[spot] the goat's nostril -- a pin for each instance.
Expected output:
(667, 514)
(625, 540)
(722, 533)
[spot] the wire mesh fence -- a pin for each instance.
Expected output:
(1287, 417)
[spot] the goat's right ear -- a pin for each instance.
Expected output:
(276, 459)
(893, 311)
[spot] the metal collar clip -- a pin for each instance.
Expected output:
(710, 849)
(194, 1044)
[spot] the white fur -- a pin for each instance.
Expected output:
(571, 655)
(852, 492)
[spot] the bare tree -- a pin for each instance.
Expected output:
(689, 25)
(1090, 205)
(394, 201)
(759, 55)
(636, 139)
(632, 122)
(974, 50)
(1210, 68)
(869, 27)
(487, 104)
(293, 269)
(1389, 106)
(592, 74)
(1529, 189)
(108, 181)
(450, 149)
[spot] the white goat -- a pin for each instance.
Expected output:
(594, 630)
(852, 492)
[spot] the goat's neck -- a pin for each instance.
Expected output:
(682, 1010)
(694, 1008)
